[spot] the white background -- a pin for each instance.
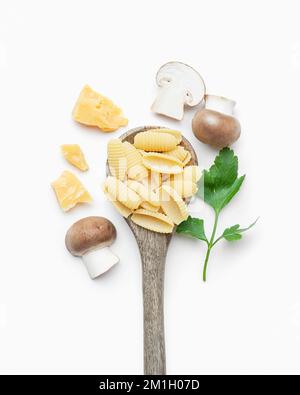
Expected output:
(53, 318)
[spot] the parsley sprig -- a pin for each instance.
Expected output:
(217, 187)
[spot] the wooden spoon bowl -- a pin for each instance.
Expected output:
(153, 250)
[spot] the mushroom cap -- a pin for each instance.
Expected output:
(216, 129)
(88, 234)
(188, 78)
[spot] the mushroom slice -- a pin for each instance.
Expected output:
(122, 193)
(155, 141)
(175, 133)
(90, 238)
(173, 205)
(162, 163)
(156, 222)
(178, 84)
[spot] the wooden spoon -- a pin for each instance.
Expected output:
(153, 250)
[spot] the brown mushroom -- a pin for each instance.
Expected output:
(90, 238)
(215, 125)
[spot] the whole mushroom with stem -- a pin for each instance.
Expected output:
(90, 238)
(178, 85)
(215, 124)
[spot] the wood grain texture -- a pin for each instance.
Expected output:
(153, 250)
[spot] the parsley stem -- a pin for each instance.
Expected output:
(210, 245)
(205, 263)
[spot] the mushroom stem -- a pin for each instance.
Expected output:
(170, 101)
(99, 261)
(219, 104)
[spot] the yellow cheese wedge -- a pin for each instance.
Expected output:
(69, 191)
(93, 109)
(74, 155)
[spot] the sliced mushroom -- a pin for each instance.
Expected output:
(90, 239)
(215, 124)
(179, 84)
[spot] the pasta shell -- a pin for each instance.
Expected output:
(123, 210)
(137, 172)
(148, 206)
(119, 191)
(174, 133)
(192, 173)
(156, 222)
(187, 159)
(165, 178)
(132, 155)
(179, 153)
(173, 205)
(162, 163)
(144, 192)
(116, 158)
(185, 187)
(154, 180)
(155, 141)
(142, 152)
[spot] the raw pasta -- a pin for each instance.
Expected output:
(192, 173)
(156, 222)
(184, 187)
(155, 141)
(179, 153)
(174, 133)
(116, 158)
(162, 163)
(144, 192)
(137, 172)
(157, 179)
(154, 180)
(122, 193)
(123, 210)
(187, 159)
(133, 156)
(173, 205)
(148, 206)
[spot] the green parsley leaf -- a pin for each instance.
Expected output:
(193, 227)
(235, 232)
(221, 182)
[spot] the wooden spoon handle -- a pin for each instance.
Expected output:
(153, 260)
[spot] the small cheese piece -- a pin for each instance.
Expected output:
(69, 191)
(93, 109)
(74, 155)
